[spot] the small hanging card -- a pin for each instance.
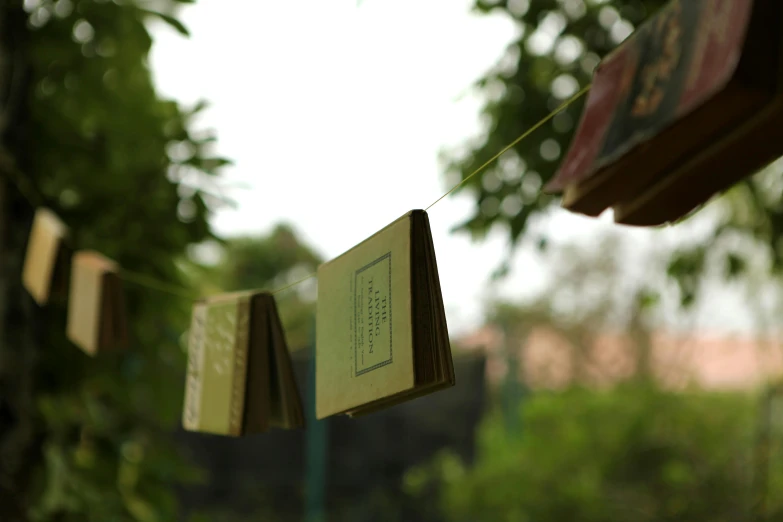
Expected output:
(239, 379)
(380, 324)
(96, 304)
(45, 271)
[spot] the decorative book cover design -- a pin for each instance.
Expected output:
(96, 304)
(381, 334)
(45, 271)
(687, 106)
(239, 378)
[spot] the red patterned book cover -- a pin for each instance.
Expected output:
(672, 65)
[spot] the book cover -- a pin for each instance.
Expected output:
(364, 343)
(217, 366)
(672, 65)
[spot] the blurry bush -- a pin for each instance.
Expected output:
(633, 454)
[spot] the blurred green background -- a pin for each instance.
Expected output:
(585, 436)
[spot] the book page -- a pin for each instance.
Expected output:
(219, 365)
(84, 303)
(364, 347)
(43, 247)
(191, 412)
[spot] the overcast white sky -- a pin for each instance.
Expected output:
(334, 115)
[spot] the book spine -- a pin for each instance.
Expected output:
(240, 367)
(191, 416)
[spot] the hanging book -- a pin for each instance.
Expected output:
(381, 335)
(687, 106)
(96, 304)
(45, 272)
(240, 378)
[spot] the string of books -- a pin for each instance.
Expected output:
(688, 105)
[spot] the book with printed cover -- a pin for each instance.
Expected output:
(239, 377)
(381, 333)
(96, 319)
(688, 105)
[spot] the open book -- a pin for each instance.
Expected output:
(96, 304)
(239, 378)
(381, 335)
(46, 262)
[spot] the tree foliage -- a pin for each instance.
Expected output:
(129, 174)
(630, 454)
(586, 298)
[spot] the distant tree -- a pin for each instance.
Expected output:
(585, 297)
(85, 133)
(633, 454)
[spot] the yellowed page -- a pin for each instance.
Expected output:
(191, 412)
(44, 244)
(85, 299)
(364, 347)
(217, 366)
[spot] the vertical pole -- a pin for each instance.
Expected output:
(762, 456)
(510, 384)
(513, 390)
(317, 445)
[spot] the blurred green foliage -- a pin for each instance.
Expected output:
(632, 454)
(90, 438)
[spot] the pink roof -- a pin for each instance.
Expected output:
(549, 361)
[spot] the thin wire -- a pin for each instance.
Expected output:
(305, 278)
(155, 284)
(524, 135)
(161, 286)
(515, 142)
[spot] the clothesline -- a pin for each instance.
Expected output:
(29, 191)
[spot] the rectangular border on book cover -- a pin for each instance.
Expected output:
(358, 296)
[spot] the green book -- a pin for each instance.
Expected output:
(239, 378)
(381, 333)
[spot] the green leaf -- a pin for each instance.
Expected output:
(200, 106)
(648, 299)
(735, 266)
(501, 271)
(173, 22)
